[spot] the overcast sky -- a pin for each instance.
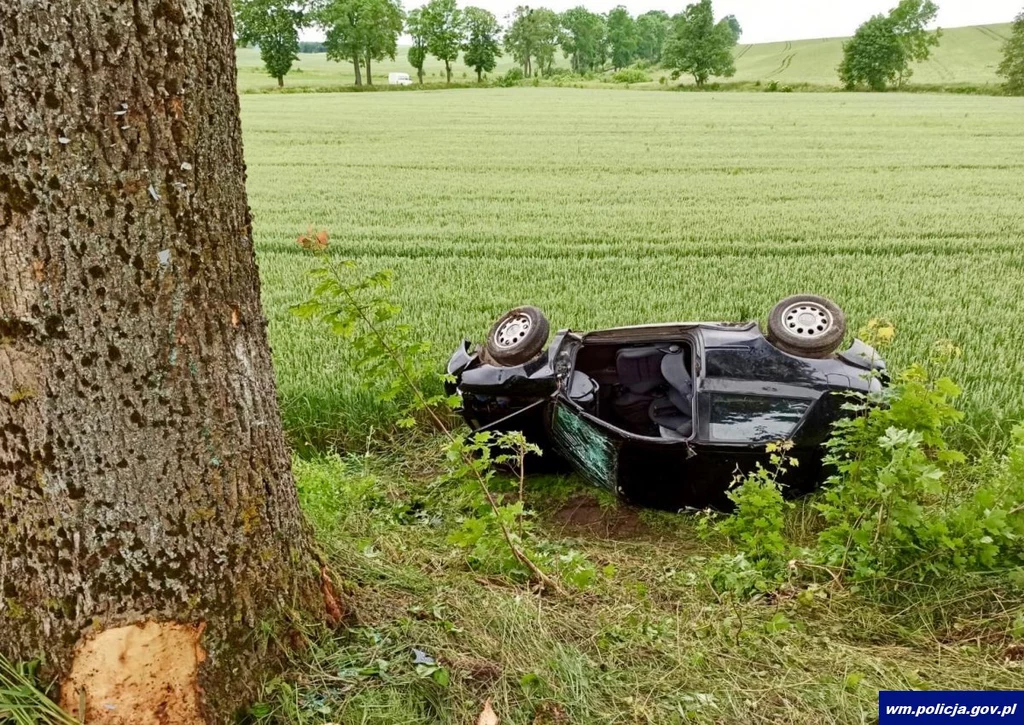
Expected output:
(765, 21)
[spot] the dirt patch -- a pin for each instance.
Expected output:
(584, 515)
(144, 674)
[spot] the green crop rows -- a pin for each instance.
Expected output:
(612, 208)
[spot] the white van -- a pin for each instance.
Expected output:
(399, 79)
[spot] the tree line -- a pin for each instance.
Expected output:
(363, 31)
(880, 54)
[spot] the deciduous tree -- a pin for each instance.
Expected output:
(520, 38)
(544, 25)
(700, 46)
(384, 21)
(1012, 66)
(417, 31)
(345, 26)
(274, 26)
(622, 37)
(151, 530)
(445, 31)
(481, 48)
(734, 26)
(652, 28)
(881, 50)
(582, 38)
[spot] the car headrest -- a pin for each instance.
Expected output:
(673, 369)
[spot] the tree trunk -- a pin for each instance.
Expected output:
(280, 81)
(369, 78)
(150, 520)
(479, 75)
(419, 72)
(447, 70)
(355, 64)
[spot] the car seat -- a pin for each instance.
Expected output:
(656, 389)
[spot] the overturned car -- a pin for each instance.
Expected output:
(665, 415)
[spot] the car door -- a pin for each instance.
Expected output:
(752, 394)
(644, 470)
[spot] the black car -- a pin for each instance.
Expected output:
(665, 415)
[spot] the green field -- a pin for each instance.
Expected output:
(618, 208)
(967, 55)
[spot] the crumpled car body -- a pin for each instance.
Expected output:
(666, 416)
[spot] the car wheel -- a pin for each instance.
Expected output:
(807, 326)
(518, 335)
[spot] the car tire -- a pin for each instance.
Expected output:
(518, 336)
(807, 326)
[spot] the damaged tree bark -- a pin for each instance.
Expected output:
(150, 523)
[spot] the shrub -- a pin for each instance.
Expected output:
(886, 510)
(888, 515)
(756, 527)
(630, 75)
(511, 77)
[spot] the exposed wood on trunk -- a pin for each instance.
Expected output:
(143, 471)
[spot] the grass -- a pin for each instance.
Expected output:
(649, 642)
(965, 56)
(619, 208)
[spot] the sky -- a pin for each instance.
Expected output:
(766, 21)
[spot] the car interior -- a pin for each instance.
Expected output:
(644, 389)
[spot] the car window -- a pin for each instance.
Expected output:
(755, 418)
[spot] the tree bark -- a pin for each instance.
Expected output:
(146, 495)
(369, 78)
(447, 71)
(355, 64)
(280, 81)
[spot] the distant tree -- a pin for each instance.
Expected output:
(698, 45)
(1012, 66)
(734, 26)
(345, 25)
(273, 25)
(909, 19)
(417, 30)
(881, 50)
(520, 37)
(651, 30)
(384, 22)
(481, 48)
(312, 46)
(872, 56)
(582, 38)
(444, 24)
(545, 27)
(622, 37)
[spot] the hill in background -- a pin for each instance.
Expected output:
(967, 55)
